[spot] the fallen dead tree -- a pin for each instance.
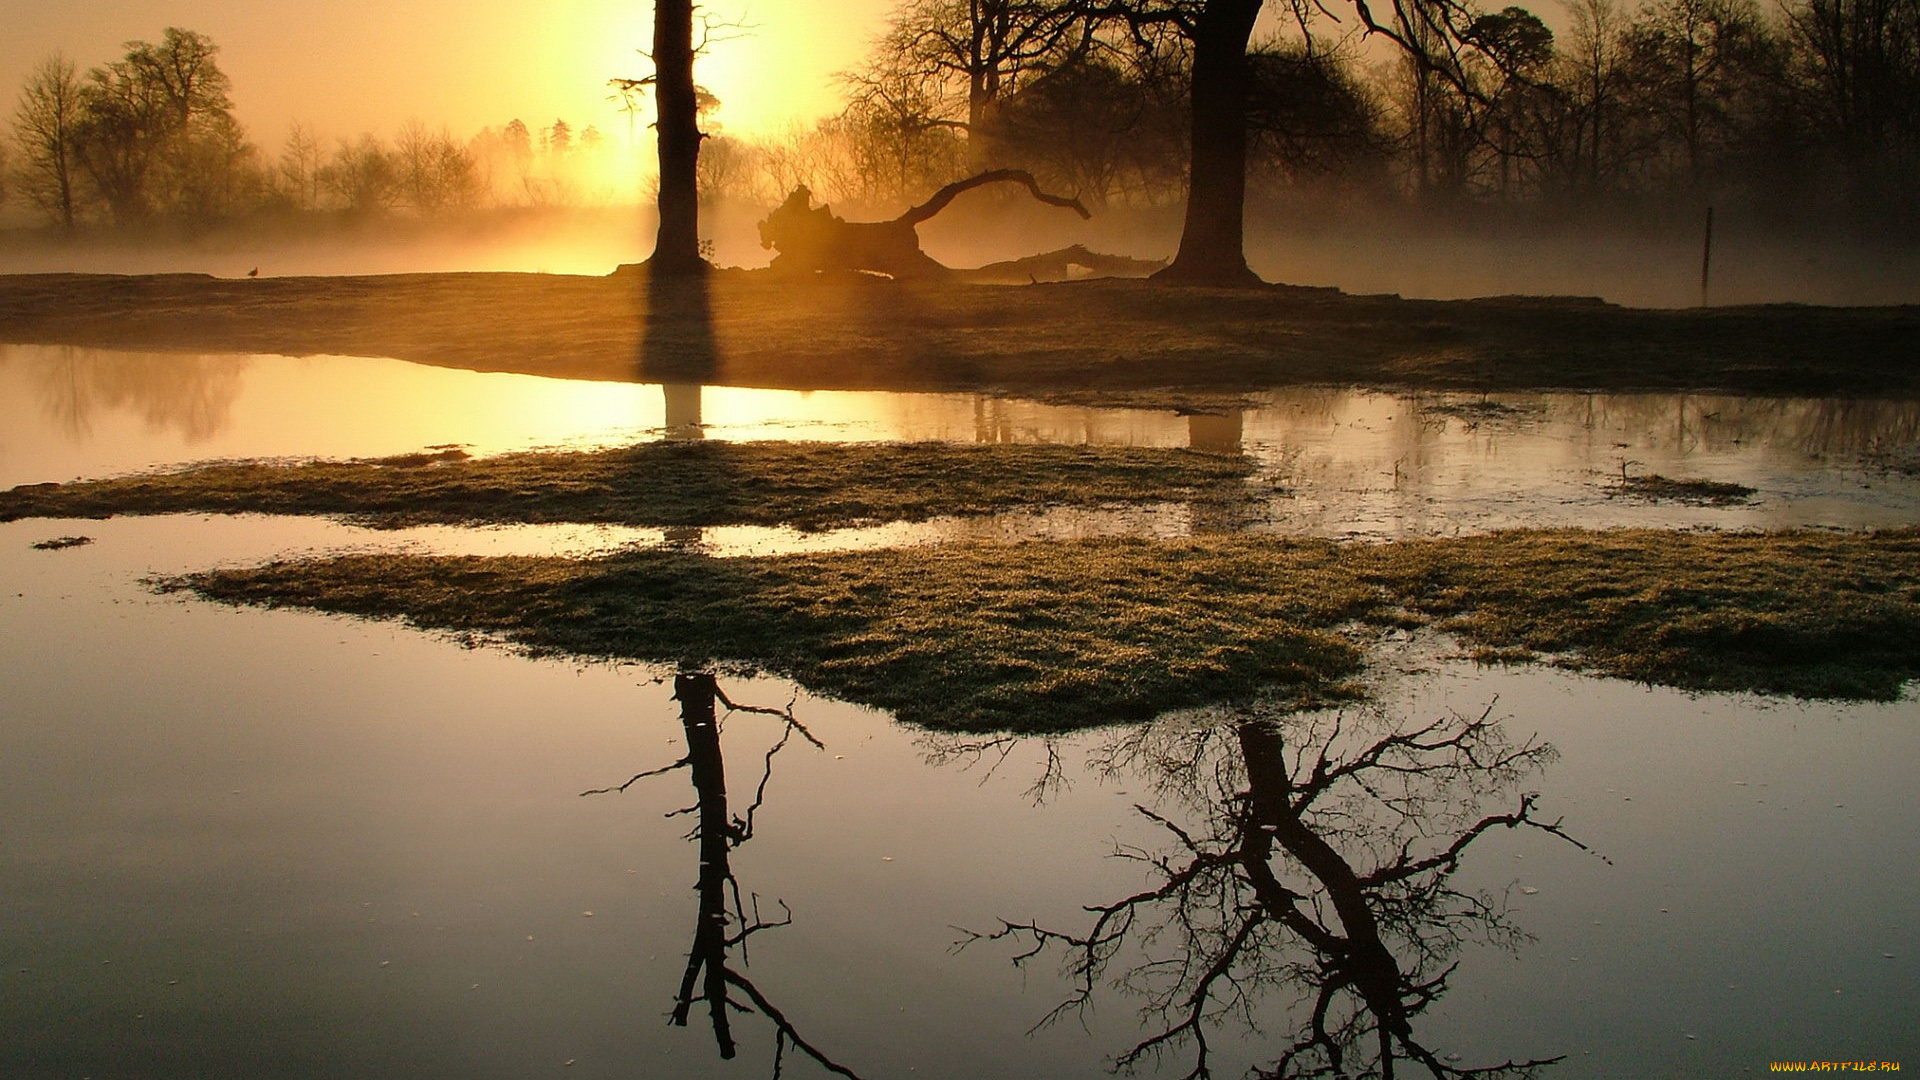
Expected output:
(808, 238)
(1065, 264)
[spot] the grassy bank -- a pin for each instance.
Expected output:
(807, 485)
(1053, 636)
(1115, 341)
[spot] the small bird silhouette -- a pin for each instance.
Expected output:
(255, 272)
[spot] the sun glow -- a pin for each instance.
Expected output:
(771, 65)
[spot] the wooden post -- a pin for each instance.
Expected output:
(1706, 258)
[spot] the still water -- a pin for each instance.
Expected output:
(279, 844)
(1338, 462)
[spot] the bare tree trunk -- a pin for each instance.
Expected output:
(676, 248)
(1212, 243)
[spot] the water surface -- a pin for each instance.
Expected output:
(280, 844)
(1334, 462)
(274, 843)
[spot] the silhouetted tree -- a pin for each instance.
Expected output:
(969, 57)
(1857, 66)
(728, 170)
(432, 172)
(46, 130)
(300, 167)
(1311, 121)
(1098, 128)
(362, 175)
(1590, 78)
(157, 130)
(1515, 49)
(1219, 33)
(123, 125)
(1695, 68)
(1212, 239)
(676, 248)
(885, 145)
(182, 68)
(519, 148)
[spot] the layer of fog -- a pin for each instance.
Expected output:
(1647, 266)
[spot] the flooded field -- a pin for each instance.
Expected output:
(273, 843)
(1337, 462)
(308, 846)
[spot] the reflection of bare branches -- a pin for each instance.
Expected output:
(1325, 865)
(969, 753)
(710, 976)
(784, 713)
(637, 777)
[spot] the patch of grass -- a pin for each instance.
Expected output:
(1475, 411)
(807, 485)
(1804, 613)
(1693, 491)
(990, 637)
(61, 543)
(1054, 636)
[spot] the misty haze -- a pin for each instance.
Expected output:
(959, 539)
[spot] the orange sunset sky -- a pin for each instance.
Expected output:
(347, 66)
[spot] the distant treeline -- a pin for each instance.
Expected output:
(151, 139)
(1807, 112)
(1811, 109)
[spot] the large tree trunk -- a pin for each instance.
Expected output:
(1212, 244)
(676, 248)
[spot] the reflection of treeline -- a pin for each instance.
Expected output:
(152, 138)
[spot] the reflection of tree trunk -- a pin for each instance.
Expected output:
(683, 411)
(1359, 957)
(1216, 432)
(696, 695)
(1219, 433)
(1212, 242)
(1283, 852)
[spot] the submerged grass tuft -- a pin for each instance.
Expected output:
(1054, 636)
(1694, 491)
(1475, 411)
(806, 485)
